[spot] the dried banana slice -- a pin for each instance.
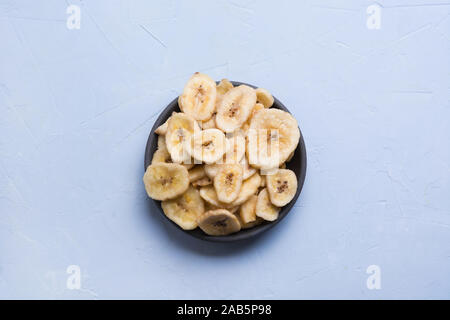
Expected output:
(205, 181)
(248, 188)
(207, 146)
(246, 125)
(264, 97)
(209, 124)
(185, 209)
(219, 222)
(256, 108)
(223, 87)
(264, 208)
(281, 187)
(199, 97)
(248, 210)
(165, 181)
(272, 136)
(162, 129)
(235, 108)
(197, 173)
(228, 182)
(249, 225)
(180, 129)
(252, 224)
(208, 193)
(161, 156)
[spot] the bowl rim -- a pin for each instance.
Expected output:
(246, 233)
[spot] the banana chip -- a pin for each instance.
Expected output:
(165, 181)
(264, 97)
(207, 146)
(272, 136)
(185, 210)
(180, 129)
(228, 182)
(219, 222)
(264, 208)
(199, 97)
(281, 187)
(235, 108)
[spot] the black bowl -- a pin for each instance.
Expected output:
(297, 164)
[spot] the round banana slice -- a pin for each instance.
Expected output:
(219, 222)
(207, 146)
(197, 173)
(228, 182)
(248, 188)
(264, 208)
(272, 136)
(165, 181)
(180, 129)
(248, 209)
(185, 209)
(235, 149)
(264, 97)
(199, 97)
(247, 170)
(281, 187)
(235, 108)
(208, 193)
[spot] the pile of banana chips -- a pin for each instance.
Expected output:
(221, 162)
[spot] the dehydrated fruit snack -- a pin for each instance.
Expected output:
(220, 164)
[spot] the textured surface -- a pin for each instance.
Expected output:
(76, 107)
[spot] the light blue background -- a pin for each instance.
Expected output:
(76, 107)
